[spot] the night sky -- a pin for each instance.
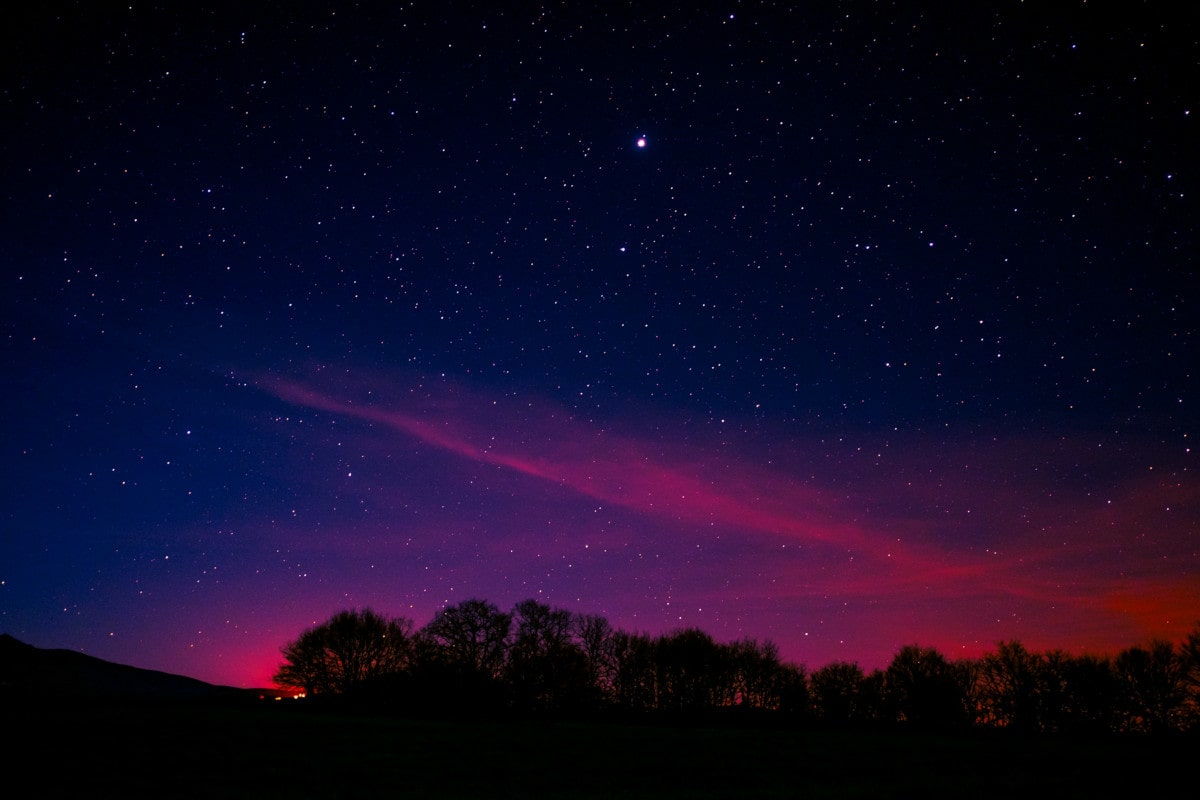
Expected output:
(847, 325)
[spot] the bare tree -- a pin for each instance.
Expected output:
(472, 635)
(635, 682)
(1010, 688)
(1077, 694)
(595, 636)
(344, 652)
(789, 690)
(1153, 688)
(836, 692)
(692, 671)
(546, 669)
(924, 689)
(754, 672)
(1189, 655)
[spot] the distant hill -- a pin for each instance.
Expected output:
(28, 672)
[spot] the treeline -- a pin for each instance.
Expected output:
(535, 659)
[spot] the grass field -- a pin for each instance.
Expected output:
(285, 751)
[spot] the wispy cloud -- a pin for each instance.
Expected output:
(969, 528)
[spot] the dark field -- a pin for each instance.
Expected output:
(283, 750)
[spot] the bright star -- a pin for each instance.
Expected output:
(641, 142)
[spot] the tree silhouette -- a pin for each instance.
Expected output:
(635, 683)
(459, 660)
(755, 671)
(472, 635)
(789, 687)
(873, 703)
(546, 669)
(691, 672)
(472, 659)
(341, 654)
(1153, 688)
(1085, 692)
(1010, 680)
(595, 636)
(1189, 655)
(924, 689)
(836, 692)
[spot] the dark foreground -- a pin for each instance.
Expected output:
(283, 750)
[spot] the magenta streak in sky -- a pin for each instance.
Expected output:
(918, 560)
(618, 471)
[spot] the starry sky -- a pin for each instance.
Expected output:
(849, 325)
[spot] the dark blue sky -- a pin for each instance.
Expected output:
(887, 334)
